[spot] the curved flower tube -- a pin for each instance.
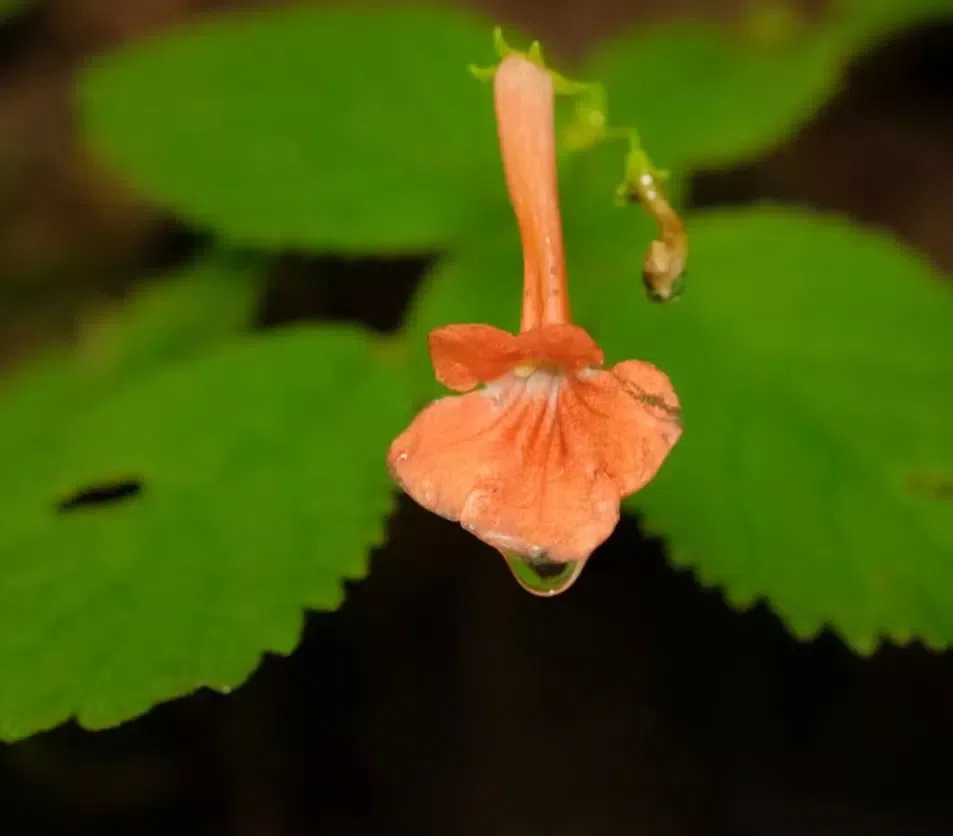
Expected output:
(536, 457)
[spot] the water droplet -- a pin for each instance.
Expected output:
(542, 576)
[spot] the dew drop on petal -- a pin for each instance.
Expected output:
(541, 576)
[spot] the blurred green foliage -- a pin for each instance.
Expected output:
(861, 24)
(9, 8)
(703, 97)
(810, 355)
(308, 128)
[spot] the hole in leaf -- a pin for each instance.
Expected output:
(103, 494)
(371, 291)
(174, 245)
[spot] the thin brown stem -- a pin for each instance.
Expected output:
(663, 269)
(664, 265)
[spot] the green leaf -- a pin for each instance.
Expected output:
(302, 127)
(812, 359)
(202, 303)
(263, 487)
(701, 96)
(167, 319)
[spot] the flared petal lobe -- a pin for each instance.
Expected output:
(537, 465)
(465, 355)
(634, 417)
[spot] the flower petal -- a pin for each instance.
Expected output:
(633, 417)
(505, 463)
(567, 346)
(449, 446)
(465, 355)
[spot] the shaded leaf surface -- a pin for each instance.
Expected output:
(863, 23)
(175, 315)
(704, 95)
(700, 95)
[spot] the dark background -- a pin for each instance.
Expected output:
(441, 699)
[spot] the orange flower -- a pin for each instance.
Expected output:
(537, 459)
